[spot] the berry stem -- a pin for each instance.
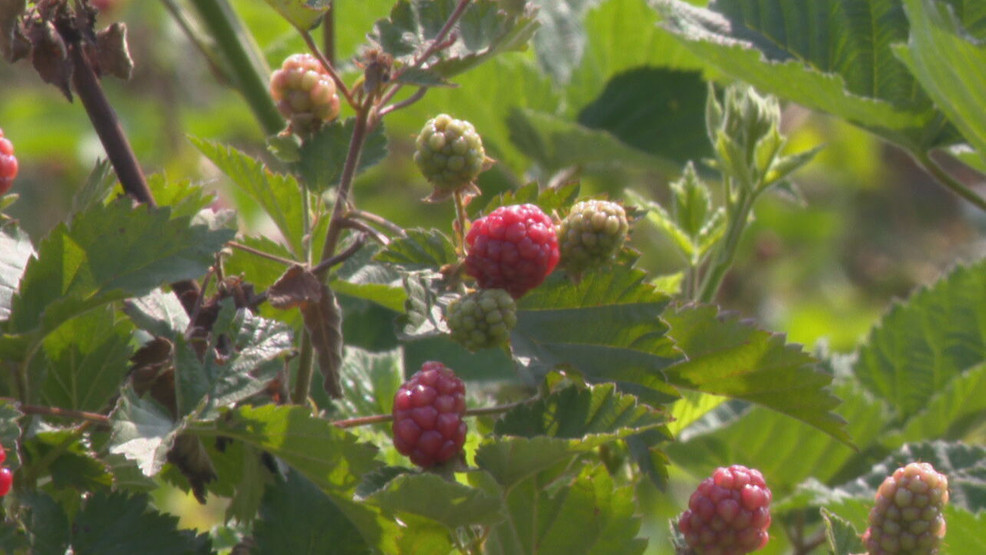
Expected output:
(329, 33)
(260, 253)
(925, 161)
(306, 369)
(330, 69)
(461, 220)
(59, 412)
(378, 220)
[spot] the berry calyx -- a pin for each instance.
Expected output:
(591, 235)
(513, 248)
(449, 154)
(8, 164)
(428, 411)
(729, 513)
(304, 93)
(907, 516)
(482, 319)
(6, 480)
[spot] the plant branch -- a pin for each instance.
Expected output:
(925, 161)
(346, 181)
(379, 237)
(418, 95)
(244, 64)
(59, 412)
(377, 220)
(107, 126)
(328, 263)
(306, 369)
(329, 33)
(261, 253)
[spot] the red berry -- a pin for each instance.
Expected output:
(3, 454)
(512, 248)
(6, 480)
(729, 513)
(428, 410)
(907, 516)
(8, 164)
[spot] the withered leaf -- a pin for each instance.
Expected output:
(192, 460)
(153, 371)
(50, 57)
(320, 311)
(112, 52)
(10, 12)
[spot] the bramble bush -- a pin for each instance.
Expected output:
(568, 398)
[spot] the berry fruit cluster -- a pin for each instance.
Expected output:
(449, 153)
(305, 93)
(482, 319)
(8, 164)
(592, 233)
(907, 516)
(512, 248)
(729, 513)
(428, 411)
(6, 475)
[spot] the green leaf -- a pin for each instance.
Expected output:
(73, 466)
(483, 31)
(324, 154)
(842, 537)
(953, 411)
(588, 514)
(303, 14)
(420, 249)
(158, 313)
(364, 277)
(372, 380)
(556, 143)
(115, 523)
(561, 38)
(87, 358)
(257, 348)
(625, 344)
(45, 521)
(279, 195)
(416, 494)
(107, 254)
(297, 518)
(184, 198)
(825, 55)
(323, 453)
(922, 345)
(549, 199)
(143, 431)
(10, 432)
(728, 358)
(511, 460)
(97, 187)
(949, 61)
(581, 413)
(17, 251)
(658, 111)
(424, 309)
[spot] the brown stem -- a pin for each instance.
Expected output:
(378, 220)
(328, 263)
(107, 126)
(367, 229)
(59, 412)
(329, 33)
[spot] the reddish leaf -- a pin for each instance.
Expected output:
(112, 52)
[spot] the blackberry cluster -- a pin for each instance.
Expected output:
(729, 513)
(907, 516)
(449, 153)
(304, 93)
(512, 248)
(8, 164)
(591, 235)
(482, 319)
(428, 411)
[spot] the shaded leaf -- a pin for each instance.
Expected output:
(324, 154)
(420, 249)
(842, 537)
(656, 110)
(45, 521)
(158, 313)
(826, 55)
(920, 346)
(424, 308)
(728, 358)
(951, 412)
(87, 361)
(143, 431)
(549, 199)
(97, 187)
(10, 433)
(278, 195)
(556, 143)
(17, 251)
(949, 62)
(116, 523)
(416, 493)
(295, 517)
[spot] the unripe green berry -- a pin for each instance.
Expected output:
(304, 93)
(591, 235)
(449, 153)
(482, 319)
(907, 514)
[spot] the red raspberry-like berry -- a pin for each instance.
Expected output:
(729, 513)
(8, 164)
(907, 516)
(304, 93)
(3, 454)
(6, 480)
(512, 248)
(428, 411)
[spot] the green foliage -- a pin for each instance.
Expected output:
(17, 249)
(323, 156)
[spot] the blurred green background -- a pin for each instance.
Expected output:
(873, 228)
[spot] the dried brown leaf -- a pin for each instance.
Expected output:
(10, 12)
(295, 287)
(112, 53)
(50, 56)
